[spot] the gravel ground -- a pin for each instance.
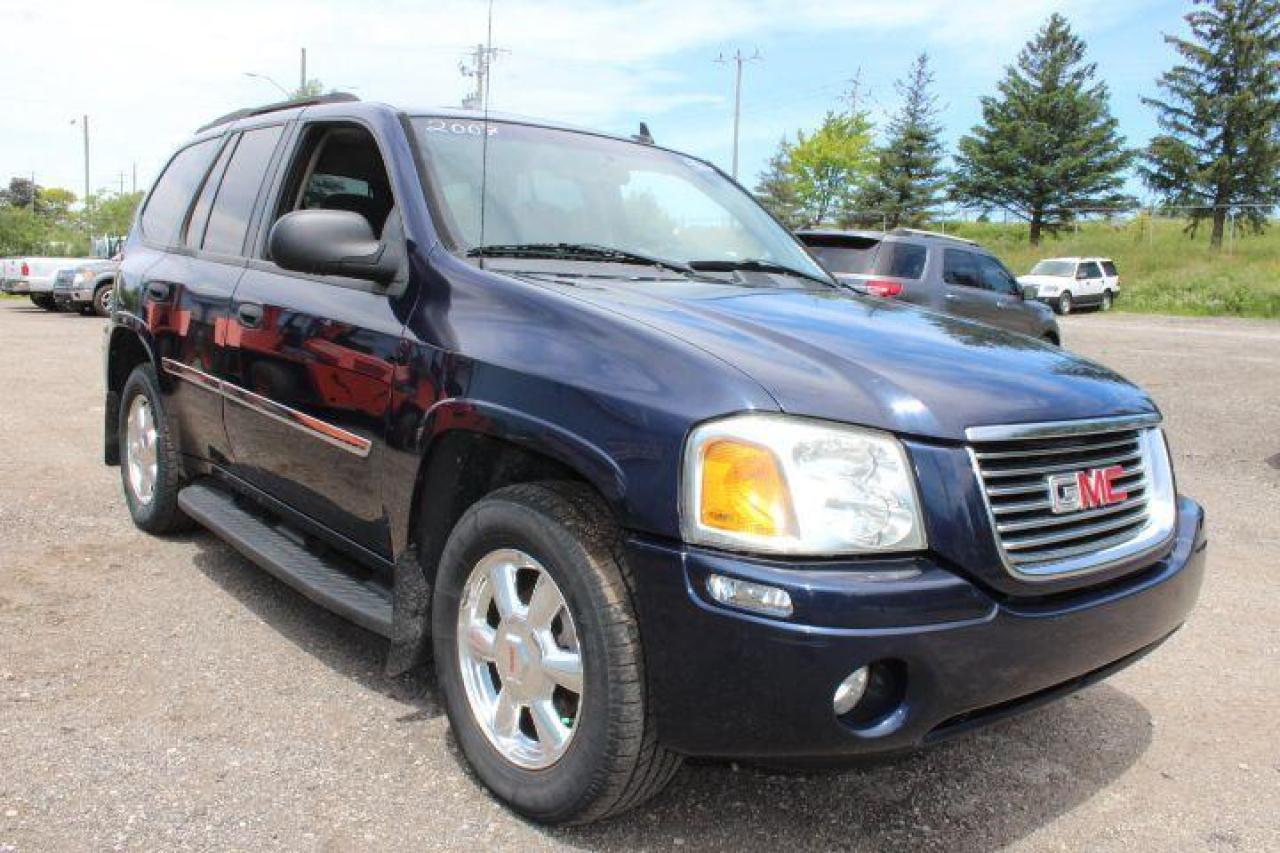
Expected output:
(166, 694)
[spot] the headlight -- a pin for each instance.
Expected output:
(783, 485)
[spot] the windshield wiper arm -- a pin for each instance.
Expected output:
(578, 251)
(755, 265)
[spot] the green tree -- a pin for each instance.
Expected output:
(831, 166)
(310, 89)
(111, 214)
(21, 192)
(1048, 144)
(776, 187)
(1220, 115)
(909, 178)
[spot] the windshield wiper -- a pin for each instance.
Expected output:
(578, 252)
(755, 265)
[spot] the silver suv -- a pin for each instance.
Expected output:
(936, 271)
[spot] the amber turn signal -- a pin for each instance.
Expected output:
(743, 490)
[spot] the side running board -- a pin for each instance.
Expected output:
(321, 579)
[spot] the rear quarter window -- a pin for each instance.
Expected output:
(902, 260)
(170, 199)
(845, 255)
(1109, 268)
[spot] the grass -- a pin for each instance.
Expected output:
(1162, 269)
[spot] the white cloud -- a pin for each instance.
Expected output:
(148, 74)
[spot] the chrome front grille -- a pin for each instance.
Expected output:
(1018, 467)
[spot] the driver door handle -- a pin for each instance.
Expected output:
(249, 314)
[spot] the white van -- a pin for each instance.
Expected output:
(1065, 283)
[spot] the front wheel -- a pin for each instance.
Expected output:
(1064, 304)
(538, 655)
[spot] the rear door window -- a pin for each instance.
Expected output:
(1089, 270)
(233, 206)
(902, 260)
(960, 267)
(162, 219)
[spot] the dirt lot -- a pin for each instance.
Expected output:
(166, 694)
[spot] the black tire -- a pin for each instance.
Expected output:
(1064, 304)
(1051, 338)
(160, 514)
(1107, 301)
(45, 302)
(102, 300)
(614, 761)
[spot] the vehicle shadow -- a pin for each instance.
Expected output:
(347, 649)
(979, 792)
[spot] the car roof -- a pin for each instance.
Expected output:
(896, 235)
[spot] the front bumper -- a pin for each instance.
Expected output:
(731, 684)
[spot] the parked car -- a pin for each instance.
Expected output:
(35, 276)
(642, 484)
(937, 271)
(1066, 283)
(86, 288)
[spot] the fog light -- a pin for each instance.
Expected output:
(850, 691)
(749, 596)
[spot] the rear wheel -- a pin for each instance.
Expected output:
(1065, 303)
(102, 300)
(1107, 300)
(150, 469)
(538, 655)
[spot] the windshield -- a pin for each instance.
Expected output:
(1055, 269)
(547, 187)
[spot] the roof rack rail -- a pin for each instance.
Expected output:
(920, 232)
(331, 98)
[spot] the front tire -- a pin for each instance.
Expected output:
(150, 465)
(531, 581)
(1064, 304)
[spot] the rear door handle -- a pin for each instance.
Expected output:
(249, 314)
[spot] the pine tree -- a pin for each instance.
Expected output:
(909, 176)
(1048, 144)
(1220, 115)
(776, 187)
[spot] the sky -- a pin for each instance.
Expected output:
(148, 74)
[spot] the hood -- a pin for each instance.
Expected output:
(1041, 280)
(878, 363)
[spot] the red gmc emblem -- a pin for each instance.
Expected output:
(1090, 489)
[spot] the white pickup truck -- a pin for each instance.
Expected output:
(35, 276)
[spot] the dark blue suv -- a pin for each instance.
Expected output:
(573, 415)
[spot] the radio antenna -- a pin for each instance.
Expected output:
(484, 136)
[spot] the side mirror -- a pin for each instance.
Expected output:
(331, 242)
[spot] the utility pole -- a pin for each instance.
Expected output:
(477, 64)
(86, 159)
(302, 77)
(737, 59)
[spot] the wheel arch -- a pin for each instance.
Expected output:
(126, 348)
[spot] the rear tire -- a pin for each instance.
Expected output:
(1107, 300)
(1064, 304)
(150, 465)
(612, 760)
(45, 302)
(102, 301)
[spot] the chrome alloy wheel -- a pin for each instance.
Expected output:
(141, 457)
(520, 660)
